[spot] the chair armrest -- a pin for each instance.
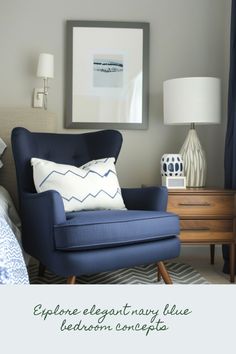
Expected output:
(149, 198)
(49, 201)
(39, 213)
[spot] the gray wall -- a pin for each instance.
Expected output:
(188, 38)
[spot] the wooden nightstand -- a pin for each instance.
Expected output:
(207, 216)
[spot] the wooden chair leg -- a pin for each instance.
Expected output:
(41, 270)
(212, 252)
(165, 275)
(71, 279)
(158, 274)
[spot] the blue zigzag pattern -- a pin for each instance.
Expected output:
(12, 265)
(96, 162)
(76, 174)
(93, 195)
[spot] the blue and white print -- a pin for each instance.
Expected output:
(108, 70)
(12, 266)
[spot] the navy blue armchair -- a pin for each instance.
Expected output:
(86, 242)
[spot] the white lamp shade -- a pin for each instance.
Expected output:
(192, 100)
(45, 65)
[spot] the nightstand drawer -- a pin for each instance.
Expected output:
(206, 225)
(201, 205)
(199, 237)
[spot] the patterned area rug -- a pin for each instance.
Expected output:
(180, 274)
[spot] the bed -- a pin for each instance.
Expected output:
(13, 260)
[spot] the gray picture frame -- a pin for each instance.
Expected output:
(71, 75)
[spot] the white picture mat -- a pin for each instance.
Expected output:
(100, 104)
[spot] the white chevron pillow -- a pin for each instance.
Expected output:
(92, 186)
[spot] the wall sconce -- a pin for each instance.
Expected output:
(46, 71)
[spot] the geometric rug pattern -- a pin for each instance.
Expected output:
(180, 274)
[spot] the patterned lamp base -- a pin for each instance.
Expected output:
(194, 160)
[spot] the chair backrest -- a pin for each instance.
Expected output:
(71, 149)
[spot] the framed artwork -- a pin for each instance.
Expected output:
(107, 75)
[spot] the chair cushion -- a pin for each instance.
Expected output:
(92, 186)
(109, 228)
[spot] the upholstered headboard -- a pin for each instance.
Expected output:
(36, 120)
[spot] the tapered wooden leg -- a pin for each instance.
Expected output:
(71, 279)
(158, 274)
(212, 252)
(164, 273)
(41, 270)
(232, 262)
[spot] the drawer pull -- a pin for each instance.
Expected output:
(195, 229)
(195, 204)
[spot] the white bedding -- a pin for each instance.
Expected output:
(12, 264)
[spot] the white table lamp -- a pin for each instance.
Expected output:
(192, 100)
(46, 71)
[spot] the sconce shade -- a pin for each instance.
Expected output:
(192, 100)
(45, 66)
